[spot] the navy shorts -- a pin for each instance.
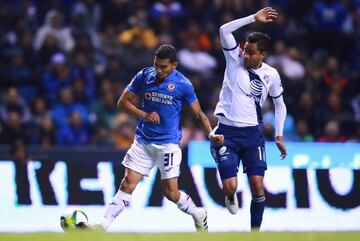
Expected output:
(241, 143)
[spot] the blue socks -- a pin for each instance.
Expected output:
(256, 211)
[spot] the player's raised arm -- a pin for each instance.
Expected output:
(125, 103)
(205, 124)
(228, 41)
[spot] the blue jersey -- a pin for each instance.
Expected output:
(166, 99)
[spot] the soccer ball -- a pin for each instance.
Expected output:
(73, 219)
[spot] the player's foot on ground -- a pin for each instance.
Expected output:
(201, 223)
(232, 203)
(95, 227)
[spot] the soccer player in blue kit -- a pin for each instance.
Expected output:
(247, 83)
(162, 90)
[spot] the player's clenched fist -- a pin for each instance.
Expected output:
(152, 117)
(216, 139)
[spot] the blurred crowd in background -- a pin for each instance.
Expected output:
(64, 64)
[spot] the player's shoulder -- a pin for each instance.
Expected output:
(181, 79)
(147, 71)
(269, 70)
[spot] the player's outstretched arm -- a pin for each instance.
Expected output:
(205, 124)
(125, 103)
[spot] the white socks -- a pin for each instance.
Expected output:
(122, 199)
(187, 205)
(117, 205)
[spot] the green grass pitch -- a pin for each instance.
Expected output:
(230, 236)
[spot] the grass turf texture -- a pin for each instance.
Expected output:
(256, 236)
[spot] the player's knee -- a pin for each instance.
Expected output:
(230, 188)
(172, 195)
(126, 185)
(257, 188)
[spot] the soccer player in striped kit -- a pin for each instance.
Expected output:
(247, 83)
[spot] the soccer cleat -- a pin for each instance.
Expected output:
(201, 223)
(232, 203)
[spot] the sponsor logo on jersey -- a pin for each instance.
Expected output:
(256, 87)
(147, 95)
(171, 87)
(159, 97)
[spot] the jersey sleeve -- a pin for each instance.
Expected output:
(276, 88)
(189, 96)
(136, 83)
(229, 45)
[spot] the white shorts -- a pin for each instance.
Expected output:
(141, 157)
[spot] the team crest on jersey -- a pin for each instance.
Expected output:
(171, 87)
(266, 78)
(147, 95)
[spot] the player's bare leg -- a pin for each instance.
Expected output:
(229, 189)
(258, 201)
(185, 203)
(121, 199)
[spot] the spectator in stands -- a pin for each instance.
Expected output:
(329, 22)
(81, 24)
(47, 135)
(53, 26)
(335, 110)
(306, 109)
(303, 133)
(112, 16)
(332, 133)
(83, 73)
(196, 33)
(56, 77)
(66, 106)
(173, 9)
(190, 54)
(75, 133)
(13, 130)
(139, 29)
(104, 111)
(47, 50)
(13, 102)
(285, 61)
(92, 11)
(102, 137)
(39, 111)
(115, 71)
(137, 55)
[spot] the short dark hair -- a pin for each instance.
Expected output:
(262, 40)
(166, 51)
